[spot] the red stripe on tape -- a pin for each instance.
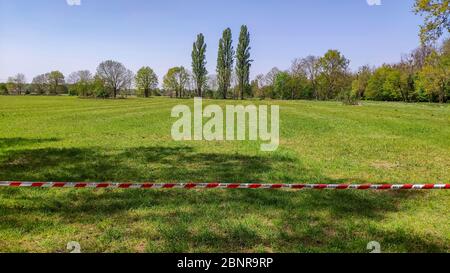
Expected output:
(190, 186)
(227, 186)
(385, 187)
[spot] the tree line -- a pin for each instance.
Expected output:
(111, 80)
(422, 75)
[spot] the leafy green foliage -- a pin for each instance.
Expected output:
(56, 81)
(199, 64)
(434, 77)
(100, 88)
(414, 81)
(243, 61)
(437, 19)
(176, 81)
(291, 87)
(146, 80)
(334, 76)
(225, 60)
(3, 89)
(361, 81)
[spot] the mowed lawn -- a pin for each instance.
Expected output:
(72, 139)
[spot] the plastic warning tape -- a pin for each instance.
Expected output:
(109, 185)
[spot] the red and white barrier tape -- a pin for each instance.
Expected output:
(223, 186)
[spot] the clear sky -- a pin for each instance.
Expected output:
(38, 36)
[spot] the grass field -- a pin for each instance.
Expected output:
(71, 139)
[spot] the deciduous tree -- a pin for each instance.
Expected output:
(435, 76)
(334, 74)
(176, 81)
(81, 83)
(199, 64)
(16, 84)
(40, 84)
(243, 61)
(437, 19)
(56, 80)
(359, 84)
(146, 80)
(310, 67)
(114, 74)
(225, 60)
(3, 89)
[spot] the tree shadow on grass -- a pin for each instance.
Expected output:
(20, 142)
(168, 164)
(194, 220)
(215, 220)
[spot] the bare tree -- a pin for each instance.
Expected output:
(128, 82)
(213, 83)
(40, 84)
(17, 83)
(189, 83)
(308, 66)
(271, 75)
(81, 83)
(257, 86)
(420, 55)
(114, 74)
(80, 76)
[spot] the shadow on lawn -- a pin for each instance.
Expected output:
(195, 220)
(14, 142)
(167, 164)
(215, 220)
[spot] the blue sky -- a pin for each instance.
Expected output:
(42, 35)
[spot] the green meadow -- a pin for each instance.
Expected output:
(72, 139)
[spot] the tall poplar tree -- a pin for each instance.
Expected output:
(243, 61)
(225, 60)
(199, 64)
